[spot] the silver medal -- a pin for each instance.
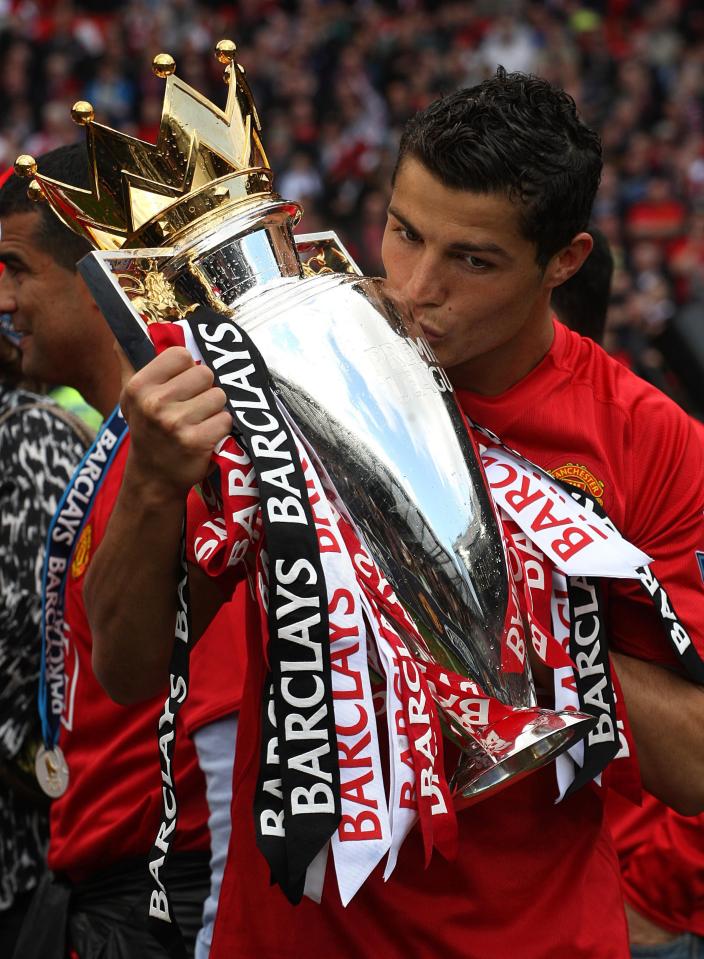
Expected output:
(52, 771)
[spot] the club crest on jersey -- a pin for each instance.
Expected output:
(579, 476)
(700, 560)
(81, 554)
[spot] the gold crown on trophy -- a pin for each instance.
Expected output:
(143, 194)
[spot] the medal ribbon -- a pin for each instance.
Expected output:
(65, 528)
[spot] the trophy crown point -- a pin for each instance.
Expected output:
(142, 193)
(35, 192)
(82, 113)
(225, 51)
(163, 65)
(25, 166)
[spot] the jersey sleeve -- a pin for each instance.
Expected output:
(666, 520)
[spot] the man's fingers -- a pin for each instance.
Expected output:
(187, 384)
(214, 429)
(163, 368)
(199, 408)
(200, 439)
(171, 378)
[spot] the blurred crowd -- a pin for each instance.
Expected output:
(335, 81)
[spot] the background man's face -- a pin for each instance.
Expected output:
(48, 304)
(466, 273)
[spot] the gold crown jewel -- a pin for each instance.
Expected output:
(141, 193)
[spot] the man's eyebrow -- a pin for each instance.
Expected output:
(454, 247)
(13, 260)
(493, 248)
(403, 220)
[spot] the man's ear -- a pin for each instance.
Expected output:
(568, 260)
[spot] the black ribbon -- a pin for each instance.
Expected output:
(675, 632)
(593, 679)
(297, 806)
(590, 653)
(678, 636)
(161, 919)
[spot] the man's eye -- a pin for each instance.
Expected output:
(476, 262)
(408, 235)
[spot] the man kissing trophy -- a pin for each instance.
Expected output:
(368, 481)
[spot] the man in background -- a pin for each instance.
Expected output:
(40, 444)
(104, 824)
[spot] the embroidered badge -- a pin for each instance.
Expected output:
(700, 560)
(582, 478)
(82, 553)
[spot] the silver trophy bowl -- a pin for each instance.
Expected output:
(365, 391)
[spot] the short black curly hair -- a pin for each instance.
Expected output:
(69, 164)
(515, 134)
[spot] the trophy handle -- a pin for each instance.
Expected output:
(324, 252)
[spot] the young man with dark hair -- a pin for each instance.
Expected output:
(103, 825)
(491, 199)
(64, 337)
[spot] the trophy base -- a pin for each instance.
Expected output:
(514, 747)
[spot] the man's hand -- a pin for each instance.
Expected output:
(176, 418)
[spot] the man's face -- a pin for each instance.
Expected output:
(461, 265)
(49, 306)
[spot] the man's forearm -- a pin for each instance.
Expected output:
(176, 418)
(666, 713)
(130, 591)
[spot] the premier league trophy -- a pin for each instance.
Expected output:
(193, 219)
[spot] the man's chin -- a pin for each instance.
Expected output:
(442, 355)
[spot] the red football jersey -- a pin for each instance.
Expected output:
(111, 810)
(532, 880)
(589, 420)
(218, 666)
(662, 862)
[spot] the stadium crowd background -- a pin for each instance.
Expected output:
(335, 81)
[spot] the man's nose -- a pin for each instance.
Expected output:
(425, 285)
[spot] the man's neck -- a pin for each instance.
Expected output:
(102, 389)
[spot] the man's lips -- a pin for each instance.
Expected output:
(431, 335)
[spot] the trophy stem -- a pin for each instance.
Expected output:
(513, 747)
